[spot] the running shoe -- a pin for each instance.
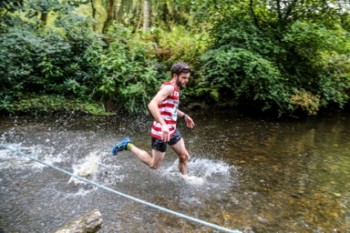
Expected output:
(120, 146)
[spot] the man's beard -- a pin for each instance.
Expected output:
(179, 84)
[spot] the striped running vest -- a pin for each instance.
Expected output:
(168, 111)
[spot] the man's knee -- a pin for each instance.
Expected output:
(183, 157)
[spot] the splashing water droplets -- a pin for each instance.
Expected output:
(86, 169)
(204, 171)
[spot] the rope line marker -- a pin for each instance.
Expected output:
(180, 215)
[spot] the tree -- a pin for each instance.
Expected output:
(295, 42)
(142, 14)
(110, 15)
(93, 14)
(146, 15)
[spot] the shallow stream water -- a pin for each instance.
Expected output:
(247, 174)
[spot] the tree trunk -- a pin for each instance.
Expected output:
(146, 15)
(110, 11)
(89, 223)
(43, 18)
(120, 9)
(93, 15)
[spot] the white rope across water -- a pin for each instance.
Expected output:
(196, 220)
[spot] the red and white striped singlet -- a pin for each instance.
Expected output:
(168, 110)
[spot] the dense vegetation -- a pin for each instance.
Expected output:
(99, 56)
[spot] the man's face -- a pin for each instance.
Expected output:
(182, 79)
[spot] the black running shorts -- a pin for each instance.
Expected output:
(161, 146)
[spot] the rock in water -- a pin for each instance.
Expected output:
(89, 223)
(87, 169)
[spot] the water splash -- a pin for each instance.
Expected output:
(96, 165)
(11, 161)
(193, 180)
(86, 169)
(204, 171)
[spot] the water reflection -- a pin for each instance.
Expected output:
(247, 174)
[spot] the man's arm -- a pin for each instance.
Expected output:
(162, 94)
(188, 119)
(180, 113)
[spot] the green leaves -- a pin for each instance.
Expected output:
(243, 76)
(281, 57)
(37, 104)
(45, 62)
(128, 73)
(289, 56)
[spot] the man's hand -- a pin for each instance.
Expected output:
(189, 122)
(165, 133)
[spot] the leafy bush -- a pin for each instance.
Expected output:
(240, 75)
(129, 75)
(302, 68)
(37, 104)
(47, 62)
(319, 66)
(253, 52)
(180, 45)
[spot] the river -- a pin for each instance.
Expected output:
(248, 174)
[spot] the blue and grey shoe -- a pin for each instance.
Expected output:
(120, 146)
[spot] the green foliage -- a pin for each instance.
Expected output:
(72, 61)
(128, 74)
(37, 104)
(180, 45)
(264, 54)
(288, 56)
(319, 66)
(135, 64)
(240, 75)
(48, 61)
(10, 5)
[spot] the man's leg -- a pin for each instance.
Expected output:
(153, 161)
(157, 157)
(181, 151)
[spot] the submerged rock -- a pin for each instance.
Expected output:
(89, 223)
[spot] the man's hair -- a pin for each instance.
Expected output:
(179, 68)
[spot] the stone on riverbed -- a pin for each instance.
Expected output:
(89, 223)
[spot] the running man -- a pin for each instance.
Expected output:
(164, 109)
